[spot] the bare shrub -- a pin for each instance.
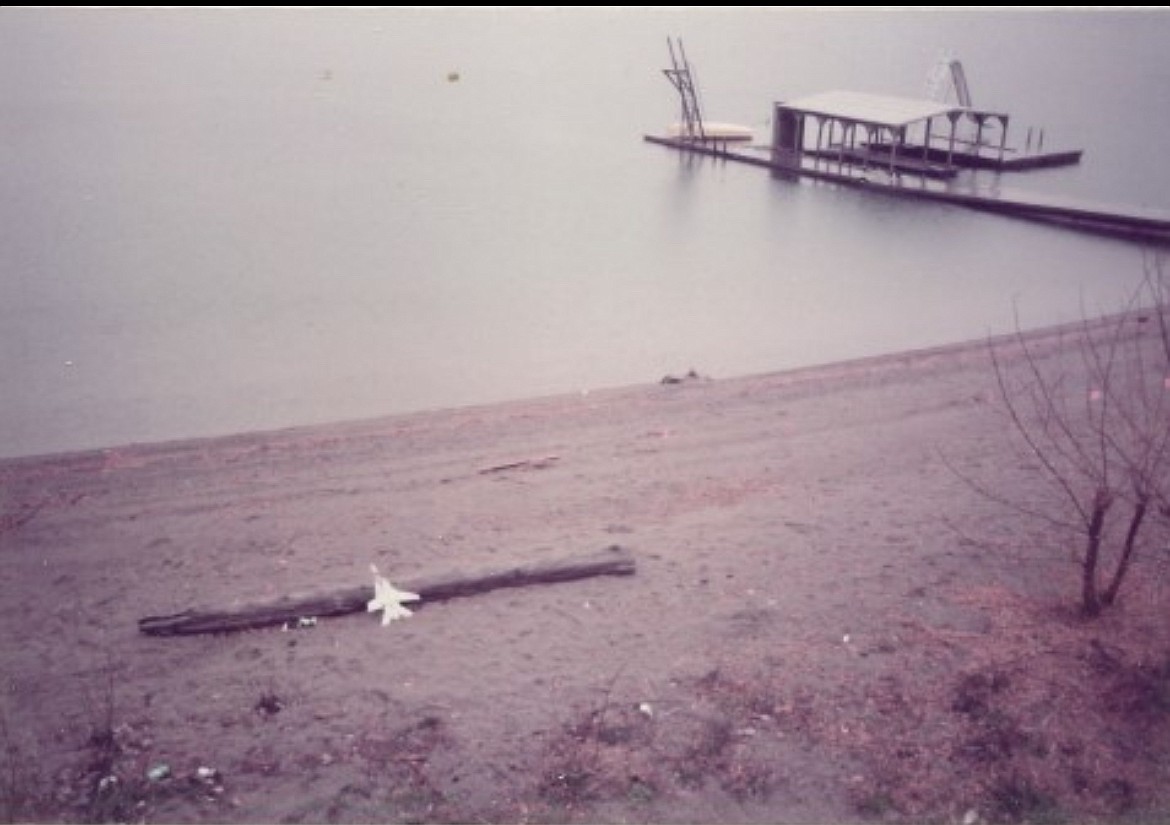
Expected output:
(1098, 426)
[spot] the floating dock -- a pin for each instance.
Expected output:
(906, 147)
(1130, 222)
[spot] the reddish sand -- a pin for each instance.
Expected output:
(826, 623)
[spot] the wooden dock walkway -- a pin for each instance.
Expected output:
(1150, 225)
(866, 157)
(1010, 160)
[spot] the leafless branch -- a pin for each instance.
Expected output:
(1100, 433)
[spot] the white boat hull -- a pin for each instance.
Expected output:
(716, 131)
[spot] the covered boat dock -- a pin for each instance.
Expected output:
(900, 134)
(919, 146)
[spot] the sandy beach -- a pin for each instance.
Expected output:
(827, 624)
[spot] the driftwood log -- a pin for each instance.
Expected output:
(613, 561)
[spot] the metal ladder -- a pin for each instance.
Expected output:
(682, 78)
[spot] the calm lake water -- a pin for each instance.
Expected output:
(218, 221)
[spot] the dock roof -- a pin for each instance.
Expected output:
(878, 110)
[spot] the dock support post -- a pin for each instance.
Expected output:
(820, 138)
(787, 136)
(1003, 121)
(898, 137)
(926, 141)
(953, 117)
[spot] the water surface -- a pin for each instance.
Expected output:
(217, 221)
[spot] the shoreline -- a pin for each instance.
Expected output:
(962, 350)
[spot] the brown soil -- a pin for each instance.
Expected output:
(827, 623)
